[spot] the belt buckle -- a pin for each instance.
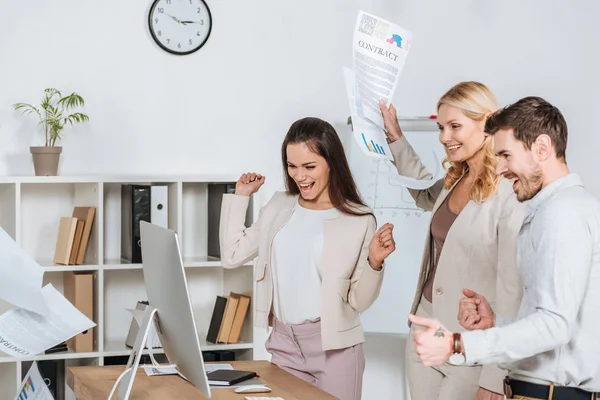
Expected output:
(507, 389)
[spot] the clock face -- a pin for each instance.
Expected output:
(180, 26)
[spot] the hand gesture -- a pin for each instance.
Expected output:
(474, 311)
(381, 246)
(390, 122)
(249, 183)
(433, 345)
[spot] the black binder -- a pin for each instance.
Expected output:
(135, 207)
(216, 319)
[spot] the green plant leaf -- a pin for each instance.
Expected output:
(52, 110)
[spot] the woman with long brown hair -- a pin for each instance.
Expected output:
(320, 260)
(472, 241)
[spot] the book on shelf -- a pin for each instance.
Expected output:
(73, 236)
(227, 321)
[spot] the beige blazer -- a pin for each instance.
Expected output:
(349, 284)
(479, 253)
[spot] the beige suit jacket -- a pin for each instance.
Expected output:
(480, 252)
(349, 284)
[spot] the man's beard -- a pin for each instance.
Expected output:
(530, 185)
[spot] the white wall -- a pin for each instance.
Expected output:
(267, 63)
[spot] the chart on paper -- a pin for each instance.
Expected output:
(393, 203)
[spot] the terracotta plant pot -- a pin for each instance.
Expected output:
(45, 159)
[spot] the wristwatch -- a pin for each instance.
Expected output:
(457, 357)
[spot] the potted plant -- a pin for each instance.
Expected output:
(51, 115)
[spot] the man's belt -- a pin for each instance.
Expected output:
(514, 387)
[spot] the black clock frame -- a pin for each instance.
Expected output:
(178, 53)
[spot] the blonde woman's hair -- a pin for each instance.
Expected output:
(475, 100)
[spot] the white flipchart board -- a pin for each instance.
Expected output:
(392, 203)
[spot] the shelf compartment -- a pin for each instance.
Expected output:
(57, 280)
(201, 206)
(41, 208)
(113, 228)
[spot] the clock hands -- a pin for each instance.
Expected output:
(183, 22)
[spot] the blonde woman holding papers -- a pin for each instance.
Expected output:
(320, 260)
(472, 238)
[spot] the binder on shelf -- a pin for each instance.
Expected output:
(76, 241)
(159, 205)
(215, 198)
(64, 240)
(239, 317)
(216, 319)
(141, 203)
(228, 318)
(73, 236)
(135, 207)
(79, 290)
(87, 215)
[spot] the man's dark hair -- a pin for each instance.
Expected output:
(529, 118)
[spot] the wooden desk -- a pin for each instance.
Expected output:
(95, 383)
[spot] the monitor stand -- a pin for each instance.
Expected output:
(128, 376)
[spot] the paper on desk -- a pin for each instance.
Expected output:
(380, 49)
(25, 333)
(21, 283)
(33, 386)
(170, 370)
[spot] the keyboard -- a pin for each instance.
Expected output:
(262, 398)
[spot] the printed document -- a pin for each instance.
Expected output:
(33, 386)
(380, 49)
(26, 333)
(21, 283)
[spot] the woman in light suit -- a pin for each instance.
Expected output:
(471, 245)
(319, 263)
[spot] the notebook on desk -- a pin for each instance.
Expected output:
(228, 377)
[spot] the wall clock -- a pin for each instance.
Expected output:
(180, 27)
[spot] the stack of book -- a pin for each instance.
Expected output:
(73, 236)
(228, 318)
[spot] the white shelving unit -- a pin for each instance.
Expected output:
(31, 208)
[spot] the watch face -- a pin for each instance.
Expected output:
(457, 359)
(180, 26)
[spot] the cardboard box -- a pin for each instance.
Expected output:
(79, 290)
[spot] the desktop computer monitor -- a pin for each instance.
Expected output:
(167, 290)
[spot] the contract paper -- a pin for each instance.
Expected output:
(33, 386)
(380, 49)
(21, 283)
(25, 333)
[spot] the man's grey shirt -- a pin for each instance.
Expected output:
(555, 337)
